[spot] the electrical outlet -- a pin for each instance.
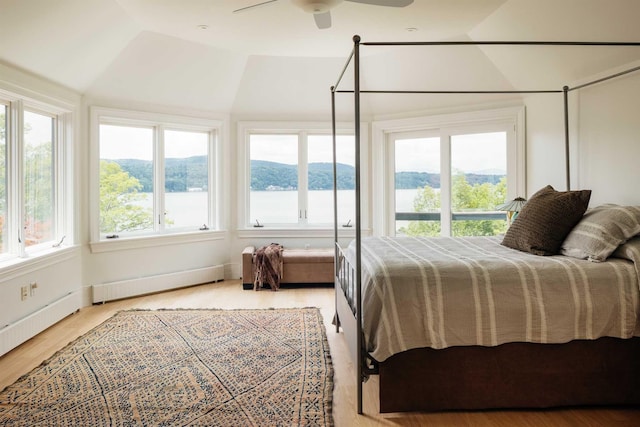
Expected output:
(24, 292)
(32, 288)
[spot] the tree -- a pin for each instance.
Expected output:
(38, 192)
(427, 200)
(119, 194)
(37, 186)
(474, 198)
(464, 198)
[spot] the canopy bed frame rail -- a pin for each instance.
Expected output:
(407, 379)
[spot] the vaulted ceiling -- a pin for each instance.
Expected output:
(273, 61)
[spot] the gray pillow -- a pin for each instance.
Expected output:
(545, 220)
(629, 250)
(600, 231)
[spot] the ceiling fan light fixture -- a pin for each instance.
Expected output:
(316, 6)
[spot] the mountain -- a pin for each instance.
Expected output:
(413, 180)
(278, 176)
(493, 171)
(191, 172)
(180, 173)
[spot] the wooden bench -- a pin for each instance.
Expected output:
(299, 266)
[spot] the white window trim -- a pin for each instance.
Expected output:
(453, 123)
(217, 127)
(244, 130)
(65, 227)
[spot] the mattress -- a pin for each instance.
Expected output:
(460, 291)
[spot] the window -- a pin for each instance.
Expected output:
(33, 141)
(38, 178)
(320, 175)
(156, 174)
(126, 179)
(186, 182)
(417, 185)
(274, 179)
(448, 178)
(478, 183)
(290, 178)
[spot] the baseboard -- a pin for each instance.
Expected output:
(26, 328)
(232, 271)
(146, 285)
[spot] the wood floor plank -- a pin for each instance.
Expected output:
(229, 295)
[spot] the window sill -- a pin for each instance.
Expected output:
(125, 243)
(17, 266)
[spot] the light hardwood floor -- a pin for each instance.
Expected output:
(229, 295)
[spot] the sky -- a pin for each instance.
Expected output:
(480, 152)
(116, 143)
(470, 153)
(40, 128)
(321, 148)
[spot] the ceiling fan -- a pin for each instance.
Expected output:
(321, 8)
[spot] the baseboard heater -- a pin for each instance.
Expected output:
(150, 284)
(26, 328)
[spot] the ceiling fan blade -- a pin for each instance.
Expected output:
(323, 20)
(254, 6)
(390, 3)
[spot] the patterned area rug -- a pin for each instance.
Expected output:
(183, 367)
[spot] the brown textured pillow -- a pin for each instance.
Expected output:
(545, 220)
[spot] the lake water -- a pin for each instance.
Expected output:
(183, 209)
(189, 208)
(273, 206)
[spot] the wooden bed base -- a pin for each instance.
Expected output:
(605, 371)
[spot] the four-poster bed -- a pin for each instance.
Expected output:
(472, 349)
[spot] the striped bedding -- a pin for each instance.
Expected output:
(443, 292)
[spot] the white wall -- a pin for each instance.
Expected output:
(112, 266)
(609, 139)
(545, 142)
(605, 140)
(167, 71)
(55, 278)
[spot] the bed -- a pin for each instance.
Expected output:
(478, 323)
(467, 323)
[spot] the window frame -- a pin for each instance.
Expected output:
(445, 126)
(55, 170)
(160, 123)
(302, 228)
(62, 114)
